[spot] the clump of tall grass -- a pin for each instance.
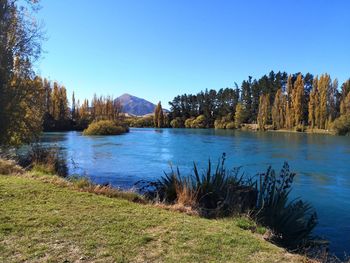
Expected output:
(44, 159)
(214, 193)
(221, 192)
(291, 221)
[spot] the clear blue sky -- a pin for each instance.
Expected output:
(159, 49)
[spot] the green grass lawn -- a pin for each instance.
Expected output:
(44, 222)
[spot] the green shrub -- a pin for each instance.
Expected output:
(177, 123)
(225, 123)
(142, 122)
(231, 125)
(189, 122)
(105, 127)
(220, 124)
(291, 221)
(342, 125)
(199, 122)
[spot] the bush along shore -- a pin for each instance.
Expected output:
(261, 204)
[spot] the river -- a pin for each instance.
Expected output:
(322, 163)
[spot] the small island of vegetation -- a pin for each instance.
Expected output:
(105, 127)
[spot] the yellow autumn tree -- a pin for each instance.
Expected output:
(264, 110)
(278, 111)
(298, 97)
(324, 85)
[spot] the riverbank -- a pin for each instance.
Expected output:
(42, 220)
(307, 130)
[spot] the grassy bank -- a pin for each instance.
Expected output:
(42, 220)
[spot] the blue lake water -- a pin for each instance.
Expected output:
(322, 163)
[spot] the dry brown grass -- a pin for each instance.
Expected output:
(112, 192)
(177, 208)
(83, 184)
(8, 167)
(186, 197)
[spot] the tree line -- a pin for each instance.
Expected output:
(276, 100)
(60, 115)
(29, 104)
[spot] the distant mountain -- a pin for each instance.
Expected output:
(135, 106)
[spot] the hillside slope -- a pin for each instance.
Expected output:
(43, 222)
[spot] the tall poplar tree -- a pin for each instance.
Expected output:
(239, 115)
(324, 85)
(278, 111)
(333, 100)
(298, 97)
(289, 106)
(74, 108)
(161, 117)
(156, 114)
(264, 111)
(345, 105)
(313, 111)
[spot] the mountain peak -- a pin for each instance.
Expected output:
(125, 95)
(135, 106)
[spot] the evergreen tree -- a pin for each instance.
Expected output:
(256, 92)
(63, 110)
(73, 114)
(247, 97)
(55, 99)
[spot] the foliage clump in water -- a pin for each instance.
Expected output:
(105, 127)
